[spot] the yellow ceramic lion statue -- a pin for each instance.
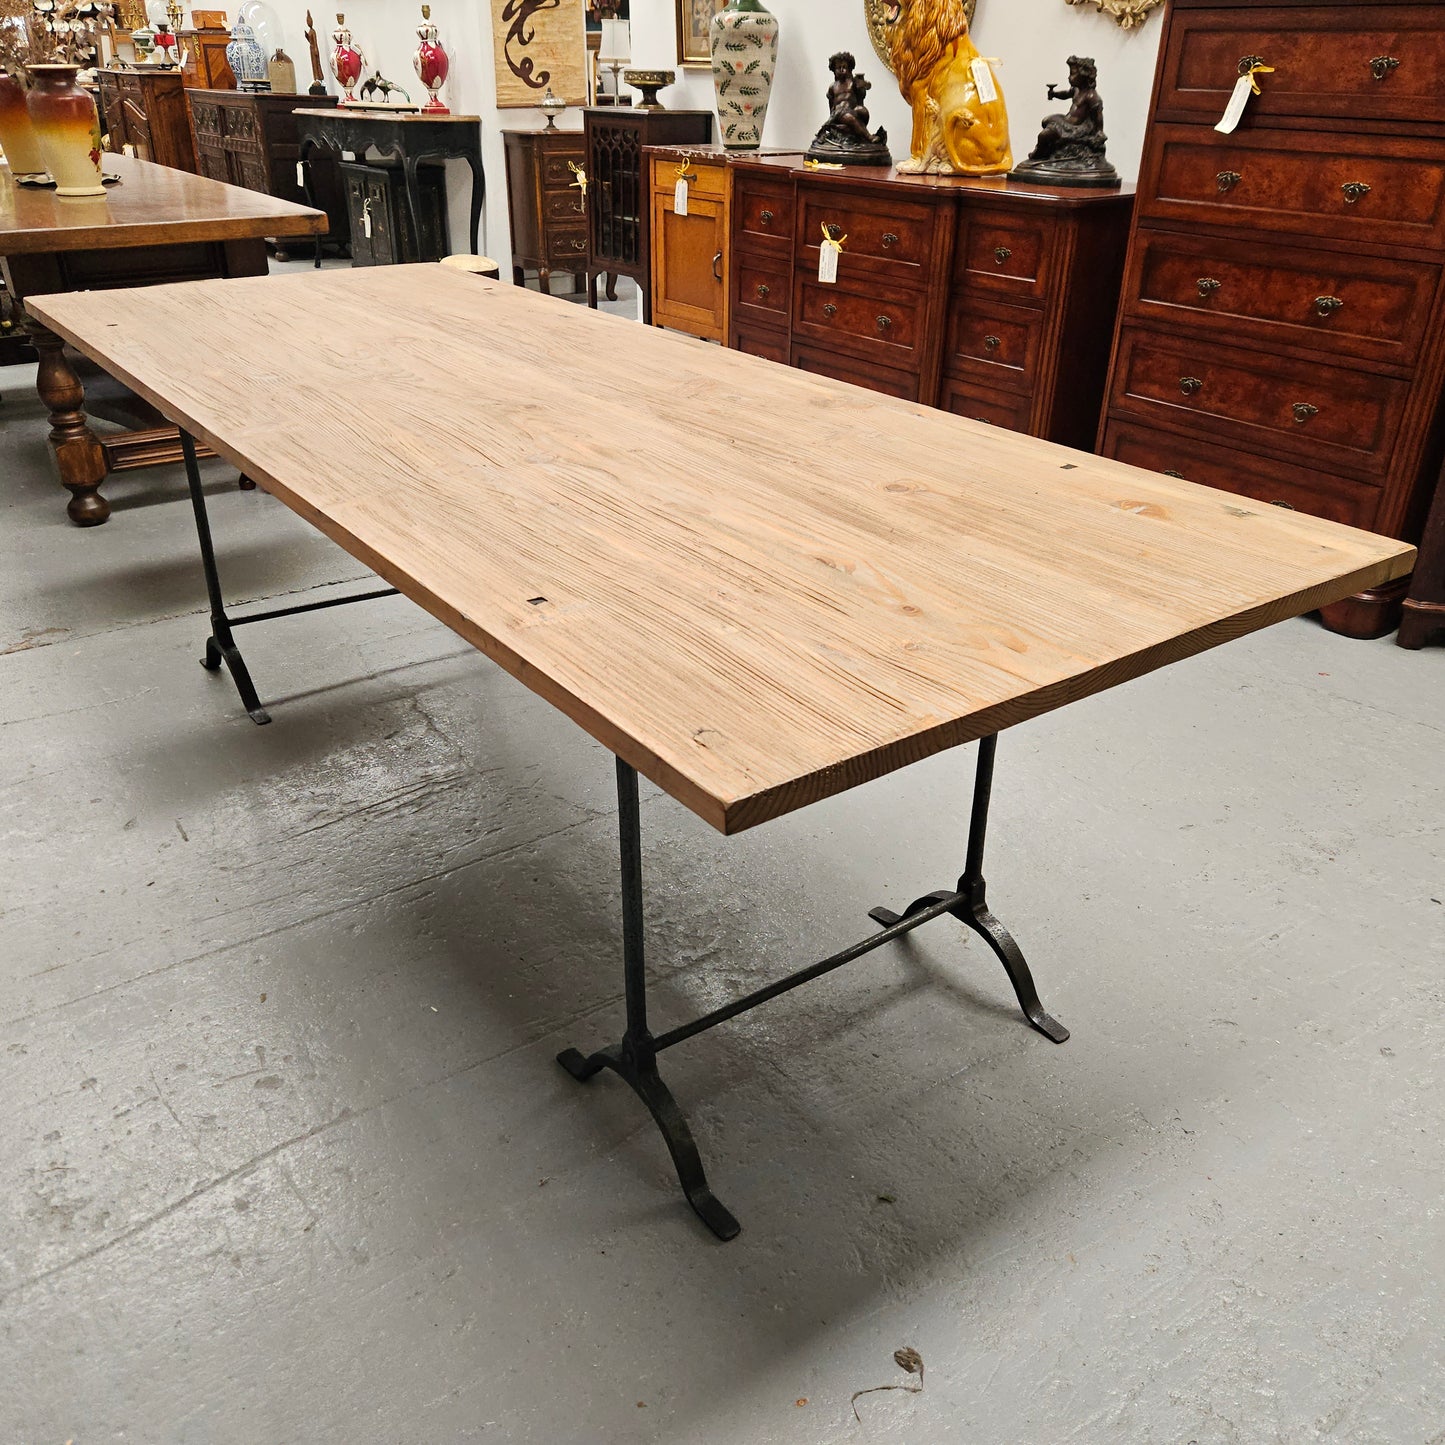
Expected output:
(954, 129)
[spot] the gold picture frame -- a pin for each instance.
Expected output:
(876, 11)
(1126, 14)
(693, 19)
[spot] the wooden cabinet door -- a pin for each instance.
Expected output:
(689, 265)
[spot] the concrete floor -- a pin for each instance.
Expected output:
(285, 1157)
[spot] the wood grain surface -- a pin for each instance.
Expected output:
(757, 586)
(153, 206)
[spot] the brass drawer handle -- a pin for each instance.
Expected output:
(1327, 305)
(1288, 506)
(830, 310)
(1354, 190)
(992, 343)
(828, 228)
(1227, 180)
(1170, 472)
(889, 239)
(1001, 254)
(1208, 285)
(1382, 65)
(1249, 62)
(766, 217)
(1303, 411)
(884, 323)
(763, 289)
(1190, 385)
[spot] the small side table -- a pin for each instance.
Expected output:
(408, 136)
(1423, 617)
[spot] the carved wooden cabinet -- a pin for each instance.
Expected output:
(381, 228)
(991, 299)
(206, 66)
(1282, 329)
(619, 221)
(689, 276)
(251, 139)
(548, 208)
(146, 111)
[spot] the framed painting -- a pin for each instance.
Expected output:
(539, 44)
(693, 19)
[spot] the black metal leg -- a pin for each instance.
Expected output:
(221, 645)
(970, 904)
(479, 191)
(635, 1058)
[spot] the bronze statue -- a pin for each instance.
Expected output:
(844, 137)
(318, 81)
(1070, 147)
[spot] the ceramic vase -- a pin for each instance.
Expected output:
(347, 62)
(68, 127)
(432, 63)
(743, 40)
(245, 56)
(17, 135)
(166, 52)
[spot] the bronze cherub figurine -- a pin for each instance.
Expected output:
(1070, 147)
(844, 138)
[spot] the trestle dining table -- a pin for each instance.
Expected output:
(755, 586)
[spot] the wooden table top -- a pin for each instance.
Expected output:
(153, 206)
(757, 586)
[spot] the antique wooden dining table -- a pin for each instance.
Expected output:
(155, 225)
(755, 586)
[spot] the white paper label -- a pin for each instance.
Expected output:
(983, 79)
(1234, 111)
(828, 264)
(366, 219)
(128, 149)
(679, 196)
(301, 174)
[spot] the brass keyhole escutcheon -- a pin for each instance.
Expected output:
(1227, 180)
(992, 343)
(1327, 305)
(1303, 411)
(1208, 286)
(1190, 385)
(1001, 254)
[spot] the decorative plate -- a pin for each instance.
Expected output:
(875, 11)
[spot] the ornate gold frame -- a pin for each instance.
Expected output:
(878, 29)
(1127, 14)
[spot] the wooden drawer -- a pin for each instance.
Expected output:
(893, 239)
(707, 182)
(764, 289)
(565, 207)
(971, 398)
(1201, 459)
(1005, 254)
(567, 245)
(1288, 182)
(762, 341)
(556, 174)
(764, 215)
(1344, 420)
(997, 341)
(883, 328)
(1329, 63)
(886, 379)
(1351, 305)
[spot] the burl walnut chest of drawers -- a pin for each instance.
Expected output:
(1282, 332)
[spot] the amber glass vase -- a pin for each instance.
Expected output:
(17, 135)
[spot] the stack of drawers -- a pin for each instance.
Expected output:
(761, 243)
(548, 212)
(1282, 332)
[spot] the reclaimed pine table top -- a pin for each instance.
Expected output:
(152, 206)
(757, 586)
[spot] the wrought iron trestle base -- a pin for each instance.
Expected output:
(221, 644)
(635, 1058)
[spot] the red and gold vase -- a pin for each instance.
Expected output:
(68, 127)
(347, 61)
(17, 134)
(432, 63)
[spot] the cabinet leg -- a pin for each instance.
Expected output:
(611, 287)
(592, 289)
(78, 454)
(1367, 614)
(544, 280)
(1420, 622)
(519, 276)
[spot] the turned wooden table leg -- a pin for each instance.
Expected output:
(77, 450)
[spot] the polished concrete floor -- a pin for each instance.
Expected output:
(285, 1156)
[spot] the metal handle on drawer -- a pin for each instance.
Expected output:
(1190, 385)
(1227, 180)
(763, 289)
(1208, 285)
(1001, 254)
(1303, 411)
(1170, 472)
(1354, 190)
(1382, 65)
(579, 245)
(1327, 305)
(992, 343)
(1288, 506)
(884, 322)
(830, 310)
(1250, 62)
(889, 239)
(766, 217)
(716, 274)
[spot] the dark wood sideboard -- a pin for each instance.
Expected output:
(1282, 328)
(991, 299)
(145, 110)
(548, 209)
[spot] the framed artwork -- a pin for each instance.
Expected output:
(537, 44)
(693, 19)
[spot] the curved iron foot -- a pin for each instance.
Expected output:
(887, 917)
(216, 654)
(671, 1123)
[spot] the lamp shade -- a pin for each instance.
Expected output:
(616, 44)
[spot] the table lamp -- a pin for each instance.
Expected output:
(614, 51)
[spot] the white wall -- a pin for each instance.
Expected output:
(1031, 38)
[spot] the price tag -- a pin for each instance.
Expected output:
(983, 79)
(679, 196)
(128, 149)
(366, 219)
(1244, 87)
(301, 174)
(828, 263)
